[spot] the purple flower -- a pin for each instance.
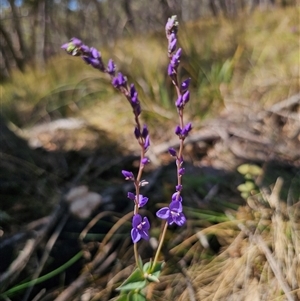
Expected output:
(142, 201)
(147, 143)
(186, 97)
(128, 175)
(84, 49)
(135, 103)
(172, 46)
(186, 129)
(131, 196)
(172, 152)
(65, 46)
(171, 26)
(76, 42)
(111, 67)
(171, 70)
(145, 131)
(145, 161)
(119, 81)
(173, 214)
(179, 102)
(76, 48)
(137, 133)
(176, 197)
(133, 94)
(185, 85)
(140, 228)
(178, 130)
(176, 58)
(178, 188)
(181, 171)
(92, 57)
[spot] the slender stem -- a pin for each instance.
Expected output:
(162, 238)
(136, 254)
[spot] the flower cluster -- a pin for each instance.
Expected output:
(140, 225)
(173, 213)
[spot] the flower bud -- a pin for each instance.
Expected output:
(172, 152)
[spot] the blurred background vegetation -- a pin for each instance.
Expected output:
(237, 50)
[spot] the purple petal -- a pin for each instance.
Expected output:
(163, 213)
(147, 143)
(172, 37)
(95, 53)
(185, 85)
(76, 42)
(187, 129)
(178, 187)
(172, 152)
(132, 90)
(186, 97)
(179, 102)
(137, 133)
(65, 46)
(146, 224)
(122, 79)
(111, 67)
(170, 220)
(145, 131)
(172, 46)
(144, 234)
(142, 201)
(145, 161)
(85, 49)
(171, 70)
(136, 220)
(172, 25)
(135, 235)
(179, 219)
(178, 130)
(181, 171)
(176, 197)
(178, 53)
(128, 175)
(131, 196)
(176, 206)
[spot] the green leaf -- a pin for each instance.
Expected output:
(152, 278)
(152, 272)
(136, 296)
(122, 298)
(147, 266)
(135, 281)
(156, 270)
(140, 263)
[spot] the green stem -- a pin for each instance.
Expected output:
(162, 238)
(136, 254)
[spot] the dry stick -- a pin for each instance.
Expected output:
(258, 240)
(21, 261)
(293, 100)
(46, 253)
(84, 278)
(39, 295)
(278, 107)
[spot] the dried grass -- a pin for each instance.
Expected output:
(260, 262)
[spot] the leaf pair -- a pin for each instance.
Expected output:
(131, 288)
